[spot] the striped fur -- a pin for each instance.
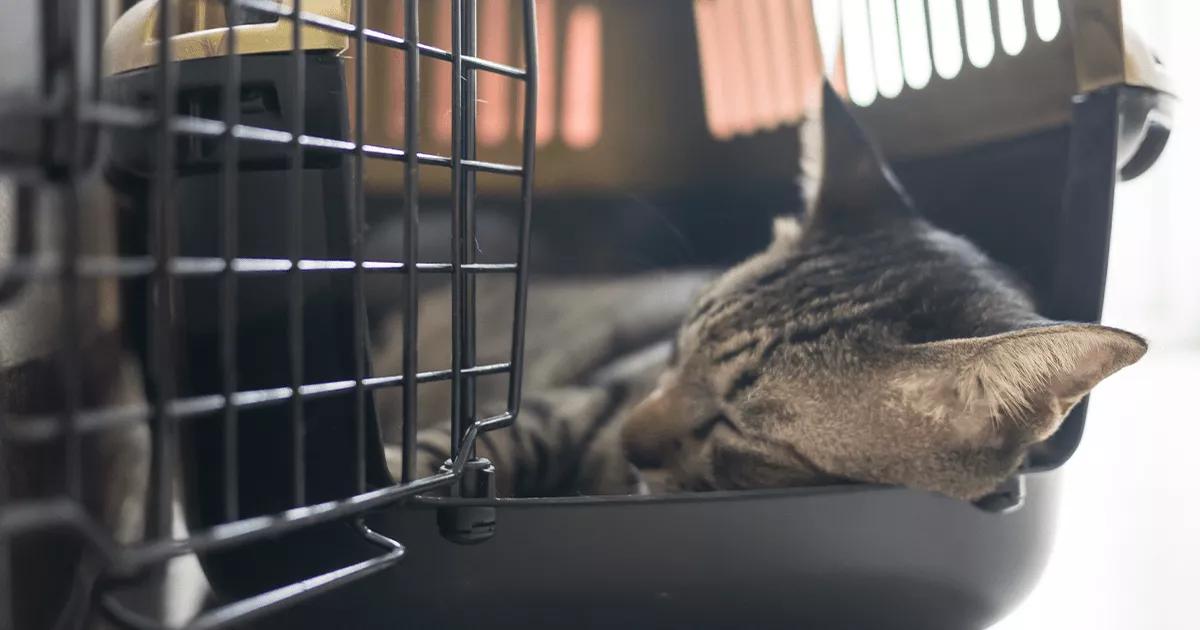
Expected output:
(864, 344)
(594, 347)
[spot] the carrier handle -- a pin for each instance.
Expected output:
(132, 42)
(259, 605)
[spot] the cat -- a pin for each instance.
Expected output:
(53, 565)
(863, 345)
(587, 361)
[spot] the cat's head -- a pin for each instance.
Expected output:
(864, 344)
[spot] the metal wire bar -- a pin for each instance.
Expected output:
(467, 238)
(383, 39)
(70, 355)
(358, 206)
(39, 428)
(412, 178)
(162, 233)
(249, 609)
(61, 512)
(456, 213)
(58, 513)
(528, 153)
(229, 245)
(295, 234)
(130, 117)
(91, 267)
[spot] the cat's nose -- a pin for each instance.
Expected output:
(642, 454)
(650, 433)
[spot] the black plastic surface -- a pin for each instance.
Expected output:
(849, 557)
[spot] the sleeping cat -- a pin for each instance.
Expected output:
(864, 344)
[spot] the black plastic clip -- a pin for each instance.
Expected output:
(470, 524)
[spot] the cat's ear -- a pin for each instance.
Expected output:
(847, 185)
(1019, 384)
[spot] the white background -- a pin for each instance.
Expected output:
(1128, 544)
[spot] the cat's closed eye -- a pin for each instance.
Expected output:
(867, 344)
(706, 428)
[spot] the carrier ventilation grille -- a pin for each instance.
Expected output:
(758, 57)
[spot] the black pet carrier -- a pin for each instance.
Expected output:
(203, 205)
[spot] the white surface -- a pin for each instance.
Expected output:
(1128, 545)
(1127, 551)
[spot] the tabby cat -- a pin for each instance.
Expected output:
(864, 344)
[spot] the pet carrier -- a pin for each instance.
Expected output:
(185, 296)
(186, 293)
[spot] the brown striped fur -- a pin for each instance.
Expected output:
(865, 344)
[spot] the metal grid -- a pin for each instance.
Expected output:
(77, 109)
